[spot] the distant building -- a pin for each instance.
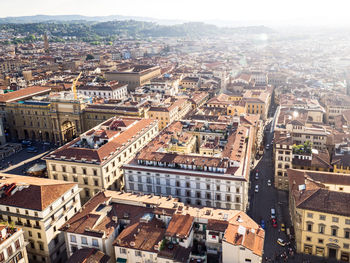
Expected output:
(109, 91)
(169, 112)
(134, 76)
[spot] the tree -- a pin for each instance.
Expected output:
(89, 57)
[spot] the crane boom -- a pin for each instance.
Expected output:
(74, 86)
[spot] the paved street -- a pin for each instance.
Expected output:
(21, 161)
(260, 208)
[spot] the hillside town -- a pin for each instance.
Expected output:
(228, 149)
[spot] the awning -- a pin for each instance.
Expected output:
(121, 260)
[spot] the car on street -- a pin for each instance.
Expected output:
(256, 188)
(274, 222)
(283, 227)
(267, 146)
(281, 242)
(32, 149)
(257, 176)
(268, 182)
(26, 143)
(273, 213)
(262, 224)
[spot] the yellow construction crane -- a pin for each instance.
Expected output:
(74, 86)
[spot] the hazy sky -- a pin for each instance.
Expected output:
(300, 11)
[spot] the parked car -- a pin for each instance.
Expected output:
(32, 149)
(268, 182)
(274, 222)
(283, 227)
(273, 213)
(281, 242)
(257, 176)
(256, 188)
(267, 146)
(26, 143)
(262, 224)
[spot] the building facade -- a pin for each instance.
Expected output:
(12, 245)
(94, 159)
(214, 178)
(134, 76)
(40, 207)
(318, 206)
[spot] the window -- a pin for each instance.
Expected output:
(347, 221)
(320, 241)
(309, 227)
(39, 235)
(138, 253)
(321, 228)
(84, 240)
(308, 238)
(73, 239)
(122, 250)
(84, 170)
(2, 257)
(95, 242)
(63, 169)
(17, 244)
(74, 170)
(310, 215)
(53, 167)
(9, 250)
(335, 219)
(347, 233)
(322, 217)
(41, 247)
(334, 231)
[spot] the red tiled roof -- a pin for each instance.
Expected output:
(24, 93)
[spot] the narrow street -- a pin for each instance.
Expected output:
(269, 197)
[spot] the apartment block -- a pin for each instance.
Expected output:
(212, 170)
(289, 155)
(134, 75)
(94, 159)
(160, 229)
(169, 112)
(319, 208)
(12, 244)
(40, 207)
(112, 90)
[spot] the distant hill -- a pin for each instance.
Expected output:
(70, 18)
(97, 32)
